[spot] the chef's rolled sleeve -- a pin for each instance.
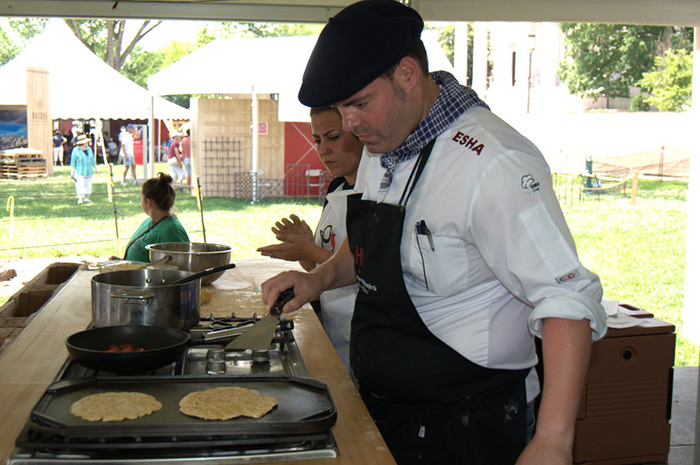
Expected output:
(569, 306)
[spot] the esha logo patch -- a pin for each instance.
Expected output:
(468, 142)
(567, 277)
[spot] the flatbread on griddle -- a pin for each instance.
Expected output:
(224, 403)
(115, 406)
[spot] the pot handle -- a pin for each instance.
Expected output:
(139, 294)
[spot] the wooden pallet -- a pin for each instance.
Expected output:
(11, 154)
(22, 167)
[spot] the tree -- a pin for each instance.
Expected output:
(446, 38)
(606, 59)
(106, 38)
(234, 29)
(8, 49)
(144, 64)
(671, 82)
(23, 29)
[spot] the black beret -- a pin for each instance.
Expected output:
(355, 47)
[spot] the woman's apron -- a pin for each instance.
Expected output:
(431, 404)
(336, 304)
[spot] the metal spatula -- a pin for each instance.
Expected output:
(259, 336)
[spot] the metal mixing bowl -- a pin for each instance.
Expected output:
(192, 256)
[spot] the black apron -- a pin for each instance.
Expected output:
(431, 404)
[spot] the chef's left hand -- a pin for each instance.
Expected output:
(293, 249)
(291, 226)
(545, 450)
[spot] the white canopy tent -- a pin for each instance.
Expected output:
(81, 85)
(268, 65)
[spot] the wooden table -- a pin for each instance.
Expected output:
(31, 362)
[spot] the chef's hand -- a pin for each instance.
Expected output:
(292, 226)
(307, 287)
(294, 248)
(546, 450)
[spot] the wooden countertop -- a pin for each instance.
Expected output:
(31, 362)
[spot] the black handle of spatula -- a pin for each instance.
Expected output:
(281, 300)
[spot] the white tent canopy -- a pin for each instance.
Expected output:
(81, 85)
(235, 66)
(268, 65)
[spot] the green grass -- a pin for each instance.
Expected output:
(46, 212)
(638, 251)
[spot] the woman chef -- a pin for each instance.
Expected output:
(340, 152)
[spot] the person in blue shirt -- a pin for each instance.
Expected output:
(82, 167)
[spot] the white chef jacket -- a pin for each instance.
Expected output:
(501, 257)
(338, 304)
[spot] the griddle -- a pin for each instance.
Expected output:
(304, 406)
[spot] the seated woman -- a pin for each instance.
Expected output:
(340, 153)
(157, 198)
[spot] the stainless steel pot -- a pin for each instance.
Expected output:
(192, 256)
(145, 297)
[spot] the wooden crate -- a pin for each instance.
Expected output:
(16, 313)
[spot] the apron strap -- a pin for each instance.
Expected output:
(417, 171)
(141, 235)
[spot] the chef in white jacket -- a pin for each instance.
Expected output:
(340, 152)
(461, 253)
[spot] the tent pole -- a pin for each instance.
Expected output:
(254, 163)
(159, 142)
(99, 139)
(151, 138)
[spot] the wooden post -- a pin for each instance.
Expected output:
(39, 114)
(201, 210)
(635, 182)
(114, 209)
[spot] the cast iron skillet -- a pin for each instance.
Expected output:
(163, 346)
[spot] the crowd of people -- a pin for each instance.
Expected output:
(79, 150)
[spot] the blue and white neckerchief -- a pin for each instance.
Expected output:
(454, 99)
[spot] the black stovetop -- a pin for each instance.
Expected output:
(297, 429)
